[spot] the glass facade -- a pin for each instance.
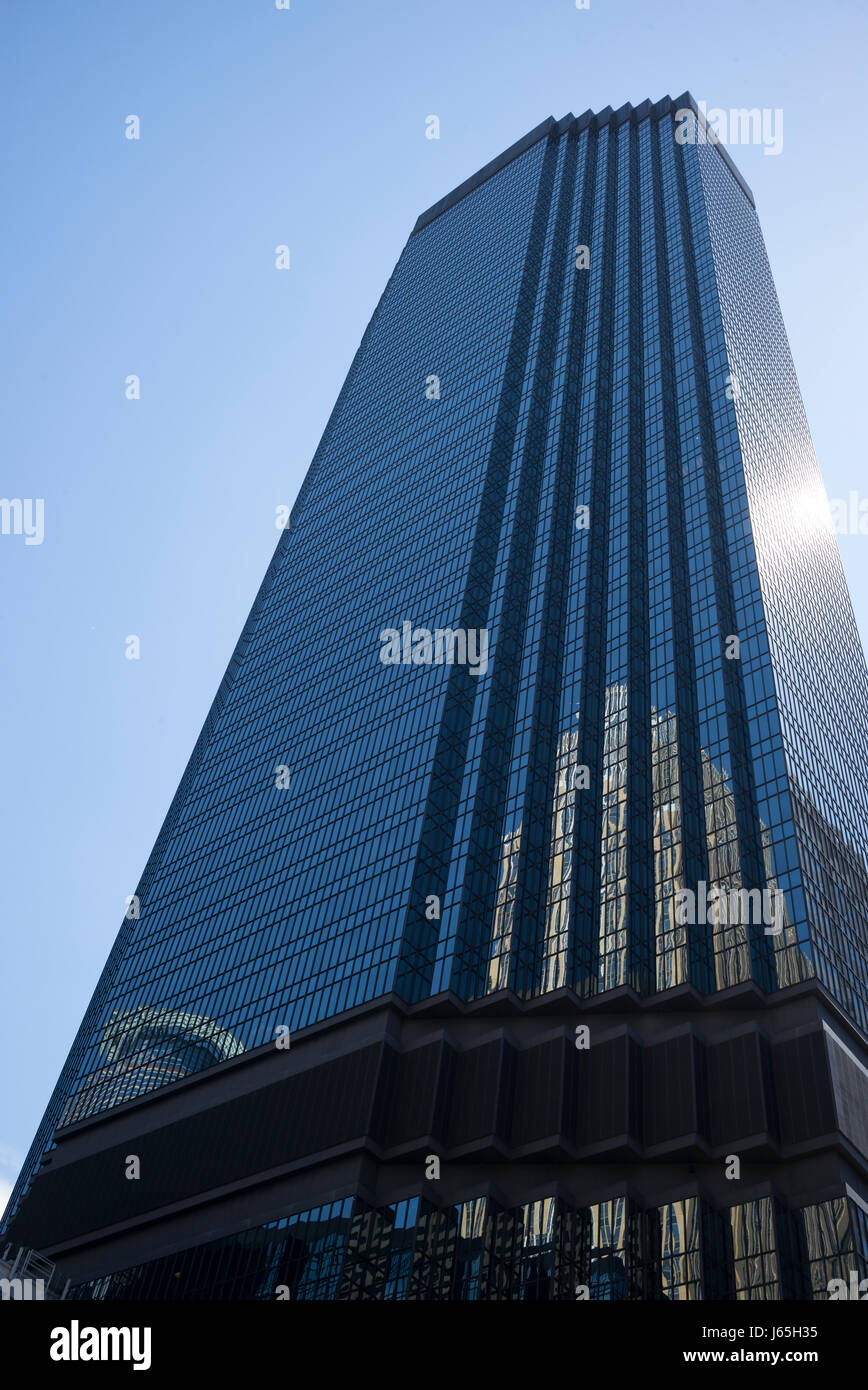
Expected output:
(541, 1250)
(572, 425)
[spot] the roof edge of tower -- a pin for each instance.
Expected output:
(550, 127)
(687, 99)
(494, 166)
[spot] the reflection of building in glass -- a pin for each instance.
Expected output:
(544, 1250)
(726, 950)
(441, 897)
(146, 1048)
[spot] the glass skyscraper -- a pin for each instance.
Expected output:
(507, 936)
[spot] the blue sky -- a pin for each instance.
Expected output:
(260, 128)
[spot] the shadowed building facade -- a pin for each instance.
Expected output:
(572, 425)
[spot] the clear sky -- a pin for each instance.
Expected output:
(156, 257)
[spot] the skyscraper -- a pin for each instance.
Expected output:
(507, 936)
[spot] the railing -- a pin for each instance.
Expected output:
(27, 1275)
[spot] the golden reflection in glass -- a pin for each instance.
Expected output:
(504, 913)
(608, 1224)
(538, 1222)
(732, 957)
(727, 944)
(827, 1228)
(680, 1264)
(471, 1220)
(670, 936)
(607, 1275)
(555, 951)
(613, 843)
(755, 1255)
(829, 1244)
